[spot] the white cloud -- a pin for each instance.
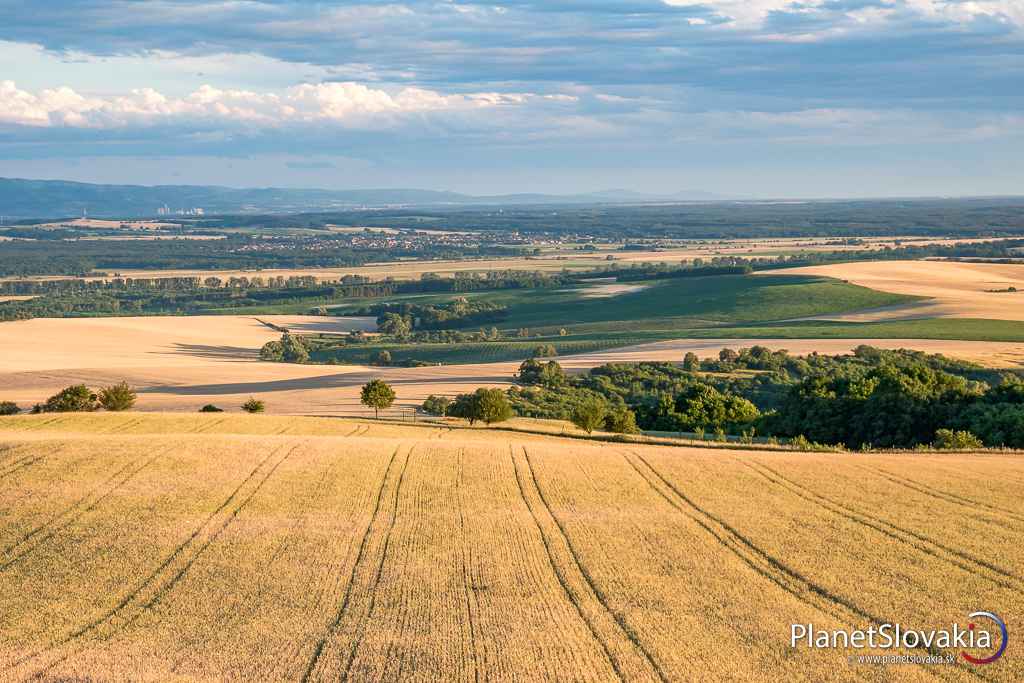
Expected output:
(752, 13)
(347, 104)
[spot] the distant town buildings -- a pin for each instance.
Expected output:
(166, 211)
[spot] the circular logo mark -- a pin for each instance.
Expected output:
(1002, 647)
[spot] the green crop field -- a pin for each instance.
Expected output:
(690, 302)
(667, 309)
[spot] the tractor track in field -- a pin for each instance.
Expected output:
(21, 464)
(160, 579)
(957, 558)
(380, 570)
(126, 426)
(207, 428)
(924, 489)
(467, 582)
(75, 511)
(768, 566)
(628, 659)
(342, 609)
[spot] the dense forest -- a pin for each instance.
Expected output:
(195, 296)
(871, 399)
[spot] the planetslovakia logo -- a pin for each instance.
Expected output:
(1002, 647)
(894, 636)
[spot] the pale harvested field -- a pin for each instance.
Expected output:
(108, 225)
(606, 291)
(191, 548)
(954, 290)
(180, 364)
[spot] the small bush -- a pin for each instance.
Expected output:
(210, 408)
(76, 399)
(437, 405)
(621, 421)
(9, 408)
(948, 440)
(254, 405)
(118, 397)
(801, 443)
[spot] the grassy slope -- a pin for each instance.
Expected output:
(691, 302)
(665, 310)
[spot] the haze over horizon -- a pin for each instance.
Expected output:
(765, 99)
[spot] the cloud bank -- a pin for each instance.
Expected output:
(652, 86)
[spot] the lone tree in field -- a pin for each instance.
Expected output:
(590, 414)
(377, 395)
(118, 397)
(690, 362)
(9, 408)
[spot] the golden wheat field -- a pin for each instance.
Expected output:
(181, 547)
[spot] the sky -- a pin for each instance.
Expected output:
(755, 98)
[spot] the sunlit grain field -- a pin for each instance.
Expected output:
(181, 547)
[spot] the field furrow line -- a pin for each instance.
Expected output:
(770, 567)
(924, 489)
(125, 426)
(958, 558)
(365, 617)
(165, 575)
(19, 465)
(75, 511)
(211, 426)
(45, 423)
(209, 540)
(629, 658)
(6, 450)
(295, 657)
(361, 553)
(466, 560)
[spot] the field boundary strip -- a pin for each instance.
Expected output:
(957, 558)
(626, 653)
(151, 590)
(770, 567)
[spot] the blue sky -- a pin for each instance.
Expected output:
(758, 98)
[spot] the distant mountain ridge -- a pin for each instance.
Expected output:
(20, 198)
